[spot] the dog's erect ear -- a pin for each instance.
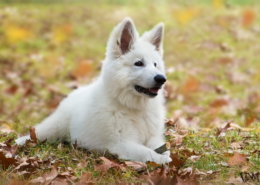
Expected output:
(127, 36)
(121, 39)
(155, 37)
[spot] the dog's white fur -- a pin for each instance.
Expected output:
(109, 113)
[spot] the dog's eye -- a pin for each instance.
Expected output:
(139, 63)
(155, 64)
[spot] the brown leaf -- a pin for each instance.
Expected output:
(248, 17)
(6, 162)
(178, 139)
(53, 173)
(249, 120)
(168, 91)
(152, 164)
(22, 163)
(33, 135)
(75, 145)
(83, 164)
(245, 168)
(225, 129)
(219, 103)
(10, 149)
(170, 122)
(234, 180)
(37, 180)
(191, 85)
(60, 181)
(187, 176)
(4, 128)
(237, 159)
(193, 109)
(194, 158)
(225, 60)
(64, 177)
(176, 161)
(12, 89)
(29, 143)
(107, 165)
(136, 165)
(235, 145)
(158, 176)
(86, 179)
(187, 153)
(187, 181)
(55, 98)
(84, 68)
(47, 178)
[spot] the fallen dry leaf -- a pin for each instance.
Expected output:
(225, 129)
(235, 145)
(136, 165)
(10, 150)
(47, 178)
(219, 103)
(4, 128)
(107, 165)
(176, 161)
(248, 17)
(245, 168)
(234, 180)
(189, 86)
(83, 164)
(237, 159)
(33, 135)
(194, 158)
(159, 176)
(84, 68)
(6, 162)
(86, 179)
(187, 181)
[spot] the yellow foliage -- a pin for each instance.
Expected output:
(193, 135)
(4, 128)
(62, 33)
(15, 34)
(218, 3)
(185, 16)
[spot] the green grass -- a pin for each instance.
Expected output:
(192, 49)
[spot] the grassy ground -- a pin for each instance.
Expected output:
(212, 59)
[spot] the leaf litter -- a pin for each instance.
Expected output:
(224, 98)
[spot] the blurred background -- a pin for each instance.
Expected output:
(48, 48)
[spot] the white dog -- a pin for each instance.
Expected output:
(122, 111)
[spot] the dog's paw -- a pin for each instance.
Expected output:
(168, 153)
(162, 158)
(22, 140)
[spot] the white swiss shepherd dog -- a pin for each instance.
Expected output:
(123, 110)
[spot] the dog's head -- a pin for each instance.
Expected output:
(134, 65)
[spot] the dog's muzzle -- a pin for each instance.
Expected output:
(149, 91)
(159, 81)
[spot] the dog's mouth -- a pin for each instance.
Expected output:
(149, 91)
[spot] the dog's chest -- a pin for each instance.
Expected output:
(138, 127)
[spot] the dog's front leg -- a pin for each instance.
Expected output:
(155, 142)
(137, 152)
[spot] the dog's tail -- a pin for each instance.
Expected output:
(53, 128)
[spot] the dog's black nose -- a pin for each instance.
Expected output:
(160, 79)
